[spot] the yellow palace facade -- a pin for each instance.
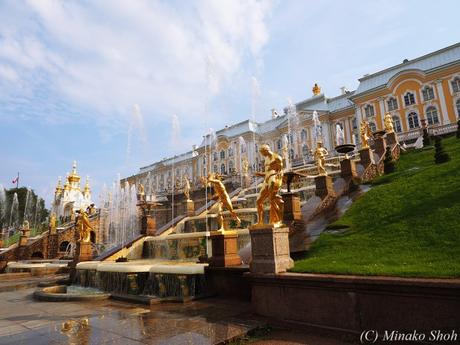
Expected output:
(418, 92)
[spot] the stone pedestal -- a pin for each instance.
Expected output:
(151, 225)
(347, 169)
(391, 139)
(23, 240)
(291, 207)
(190, 208)
(324, 186)
(366, 157)
(224, 249)
(53, 246)
(270, 249)
(380, 146)
(84, 252)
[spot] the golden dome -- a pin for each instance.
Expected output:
(58, 187)
(73, 177)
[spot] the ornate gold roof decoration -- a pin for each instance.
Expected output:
(58, 187)
(87, 189)
(316, 90)
(67, 184)
(74, 176)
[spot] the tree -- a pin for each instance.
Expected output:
(440, 156)
(426, 138)
(389, 165)
(458, 129)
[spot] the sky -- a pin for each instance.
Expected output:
(120, 84)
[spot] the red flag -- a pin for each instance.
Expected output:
(15, 180)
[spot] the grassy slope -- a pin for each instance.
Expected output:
(408, 224)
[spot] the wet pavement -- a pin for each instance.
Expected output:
(210, 321)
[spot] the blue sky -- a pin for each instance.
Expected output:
(99, 81)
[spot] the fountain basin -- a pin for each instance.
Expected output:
(63, 293)
(38, 267)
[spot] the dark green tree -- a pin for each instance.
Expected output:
(458, 129)
(440, 156)
(389, 165)
(426, 138)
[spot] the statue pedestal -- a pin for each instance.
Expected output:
(84, 252)
(366, 157)
(224, 249)
(270, 249)
(23, 240)
(151, 226)
(53, 246)
(391, 139)
(347, 169)
(190, 208)
(380, 146)
(291, 207)
(324, 186)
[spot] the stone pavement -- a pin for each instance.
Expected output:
(210, 321)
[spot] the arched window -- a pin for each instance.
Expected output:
(204, 160)
(230, 166)
(392, 104)
(409, 98)
(304, 149)
(372, 126)
(222, 169)
(215, 156)
(397, 124)
(303, 135)
(369, 110)
(456, 84)
(428, 93)
(230, 152)
(432, 115)
(458, 107)
(216, 169)
(222, 154)
(278, 144)
(63, 246)
(412, 118)
(291, 154)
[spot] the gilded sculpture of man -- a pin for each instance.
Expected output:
(222, 197)
(140, 192)
(273, 179)
(187, 188)
(388, 123)
(53, 223)
(365, 133)
(320, 157)
(84, 226)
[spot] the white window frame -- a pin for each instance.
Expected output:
(407, 119)
(392, 98)
(369, 106)
(437, 115)
(404, 98)
(428, 87)
(394, 124)
(451, 86)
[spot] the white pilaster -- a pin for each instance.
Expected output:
(442, 101)
(382, 112)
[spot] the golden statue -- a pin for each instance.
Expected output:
(273, 179)
(84, 226)
(245, 166)
(53, 223)
(187, 187)
(320, 156)
(222, 197)
(316, 90)
(366, 134)
(388, 123)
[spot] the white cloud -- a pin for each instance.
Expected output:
(108, 55)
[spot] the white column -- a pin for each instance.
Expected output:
(358, 122)
(347, 131)
(327, 135)
(382, 112)
(442, 101)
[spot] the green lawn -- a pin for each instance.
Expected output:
(408, 224)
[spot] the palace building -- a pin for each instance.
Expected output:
(70, 198)
(418, 92)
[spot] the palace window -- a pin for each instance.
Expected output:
(305, 149)
(456, 84)
(397, 124)
(204, 160)
(278, 144)
(215, 156)
(458, 107)
(412, 118)
(369, 110)
(354, 123)
(216, 169)
(291, 154)
(303, 135)
(392, 104)
(222, 169)
(222, 154)
(230, 152)
(428, 93)
(409, 98)
(372, 126)
(432, 115)
(230, 166)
